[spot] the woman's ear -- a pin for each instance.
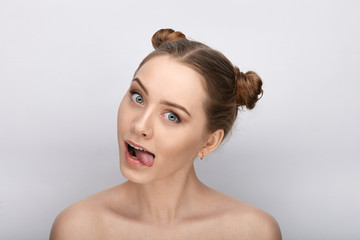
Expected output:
(213, 141)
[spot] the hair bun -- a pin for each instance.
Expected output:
(248, 88)
(167, 35)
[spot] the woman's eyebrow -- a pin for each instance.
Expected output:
(163, 101)
(141, 85)
(176, 106)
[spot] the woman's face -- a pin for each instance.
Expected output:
(163, 113)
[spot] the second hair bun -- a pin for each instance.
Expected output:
(248, 88)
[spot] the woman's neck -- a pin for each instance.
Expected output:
(167, 200)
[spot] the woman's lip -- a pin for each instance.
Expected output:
(137, 145)
(130, 160)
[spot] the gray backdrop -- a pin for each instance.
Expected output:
(65, 64)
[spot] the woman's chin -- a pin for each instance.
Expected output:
(134, 174)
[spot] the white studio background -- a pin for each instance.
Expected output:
(64, 66)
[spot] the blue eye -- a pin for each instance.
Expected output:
(172, 117)
(136, 97)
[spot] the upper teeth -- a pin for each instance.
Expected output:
(136, 147)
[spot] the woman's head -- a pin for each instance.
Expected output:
(182, 101)
(161, 121)
(227, 87)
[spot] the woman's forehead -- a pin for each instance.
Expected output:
(167, 77)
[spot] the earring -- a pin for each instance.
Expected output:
(202, 156)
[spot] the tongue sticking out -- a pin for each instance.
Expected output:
(145, 158)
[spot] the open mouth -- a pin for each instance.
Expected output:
(145, 157)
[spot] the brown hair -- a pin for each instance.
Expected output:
(228, 88)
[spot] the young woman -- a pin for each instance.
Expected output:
(182, 102)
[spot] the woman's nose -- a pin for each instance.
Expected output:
(142, 125)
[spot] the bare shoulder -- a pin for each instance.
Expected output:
(253, 223)
(82, 220)
(244, 221)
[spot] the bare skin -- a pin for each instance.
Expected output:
(164, 200)
(197, 213)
